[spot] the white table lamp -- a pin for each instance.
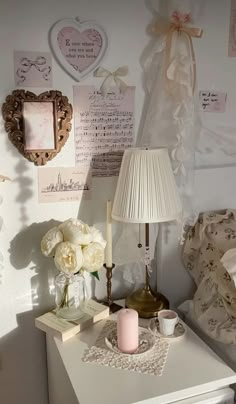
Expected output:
(146, 193)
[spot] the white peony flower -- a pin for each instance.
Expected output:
(76, 232)
(50, 241)
(68, 258)
(93, 257)
(97, 237)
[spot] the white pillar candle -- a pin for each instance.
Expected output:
(127, 330)
(108, 254)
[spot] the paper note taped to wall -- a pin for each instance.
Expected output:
(212, 101)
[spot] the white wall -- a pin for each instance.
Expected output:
(216, 72)
(27, 276)
(25, 280)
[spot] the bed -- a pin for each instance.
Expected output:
(225, 351)
(212, 311)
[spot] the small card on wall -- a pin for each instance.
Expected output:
(212, 101)
(33, 69)
(64, 184)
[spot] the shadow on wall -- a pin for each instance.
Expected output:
(20, 177)
(25, 345)
(24, 186)
(25, 252)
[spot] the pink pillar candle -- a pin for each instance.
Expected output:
(127, 330)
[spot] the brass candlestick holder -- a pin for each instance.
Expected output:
(109, 302)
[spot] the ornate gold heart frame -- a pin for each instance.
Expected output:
(37, 125)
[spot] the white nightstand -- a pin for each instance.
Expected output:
(192, 369)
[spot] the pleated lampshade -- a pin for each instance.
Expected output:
(146, 190)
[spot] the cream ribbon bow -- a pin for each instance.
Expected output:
(169, 29)
(112, 79)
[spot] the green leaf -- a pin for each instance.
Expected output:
(95, 274)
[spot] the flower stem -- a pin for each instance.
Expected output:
(65, 297)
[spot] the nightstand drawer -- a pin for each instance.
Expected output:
(223, 396)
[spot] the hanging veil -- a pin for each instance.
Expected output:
(171, 115)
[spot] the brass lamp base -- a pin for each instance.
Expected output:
(146, 302)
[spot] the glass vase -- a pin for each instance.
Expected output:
(70, 295)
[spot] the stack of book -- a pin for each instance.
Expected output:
(65, 329)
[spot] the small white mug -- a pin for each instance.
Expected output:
(167, 321)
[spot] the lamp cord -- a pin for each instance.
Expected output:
(147, 255)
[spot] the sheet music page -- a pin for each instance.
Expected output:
(104, 128)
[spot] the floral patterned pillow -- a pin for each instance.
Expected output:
(215, 299)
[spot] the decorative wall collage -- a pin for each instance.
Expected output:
(39, 125)
(103, 117)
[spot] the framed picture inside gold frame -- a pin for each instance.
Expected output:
(37, 125)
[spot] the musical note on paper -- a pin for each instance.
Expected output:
(212, 101)
(104, 126)
(64, 184)
(232, 30)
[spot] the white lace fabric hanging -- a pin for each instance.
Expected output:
(170, 75)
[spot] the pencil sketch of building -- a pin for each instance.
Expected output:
(66, 185)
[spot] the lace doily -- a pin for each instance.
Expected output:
(152, 363)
